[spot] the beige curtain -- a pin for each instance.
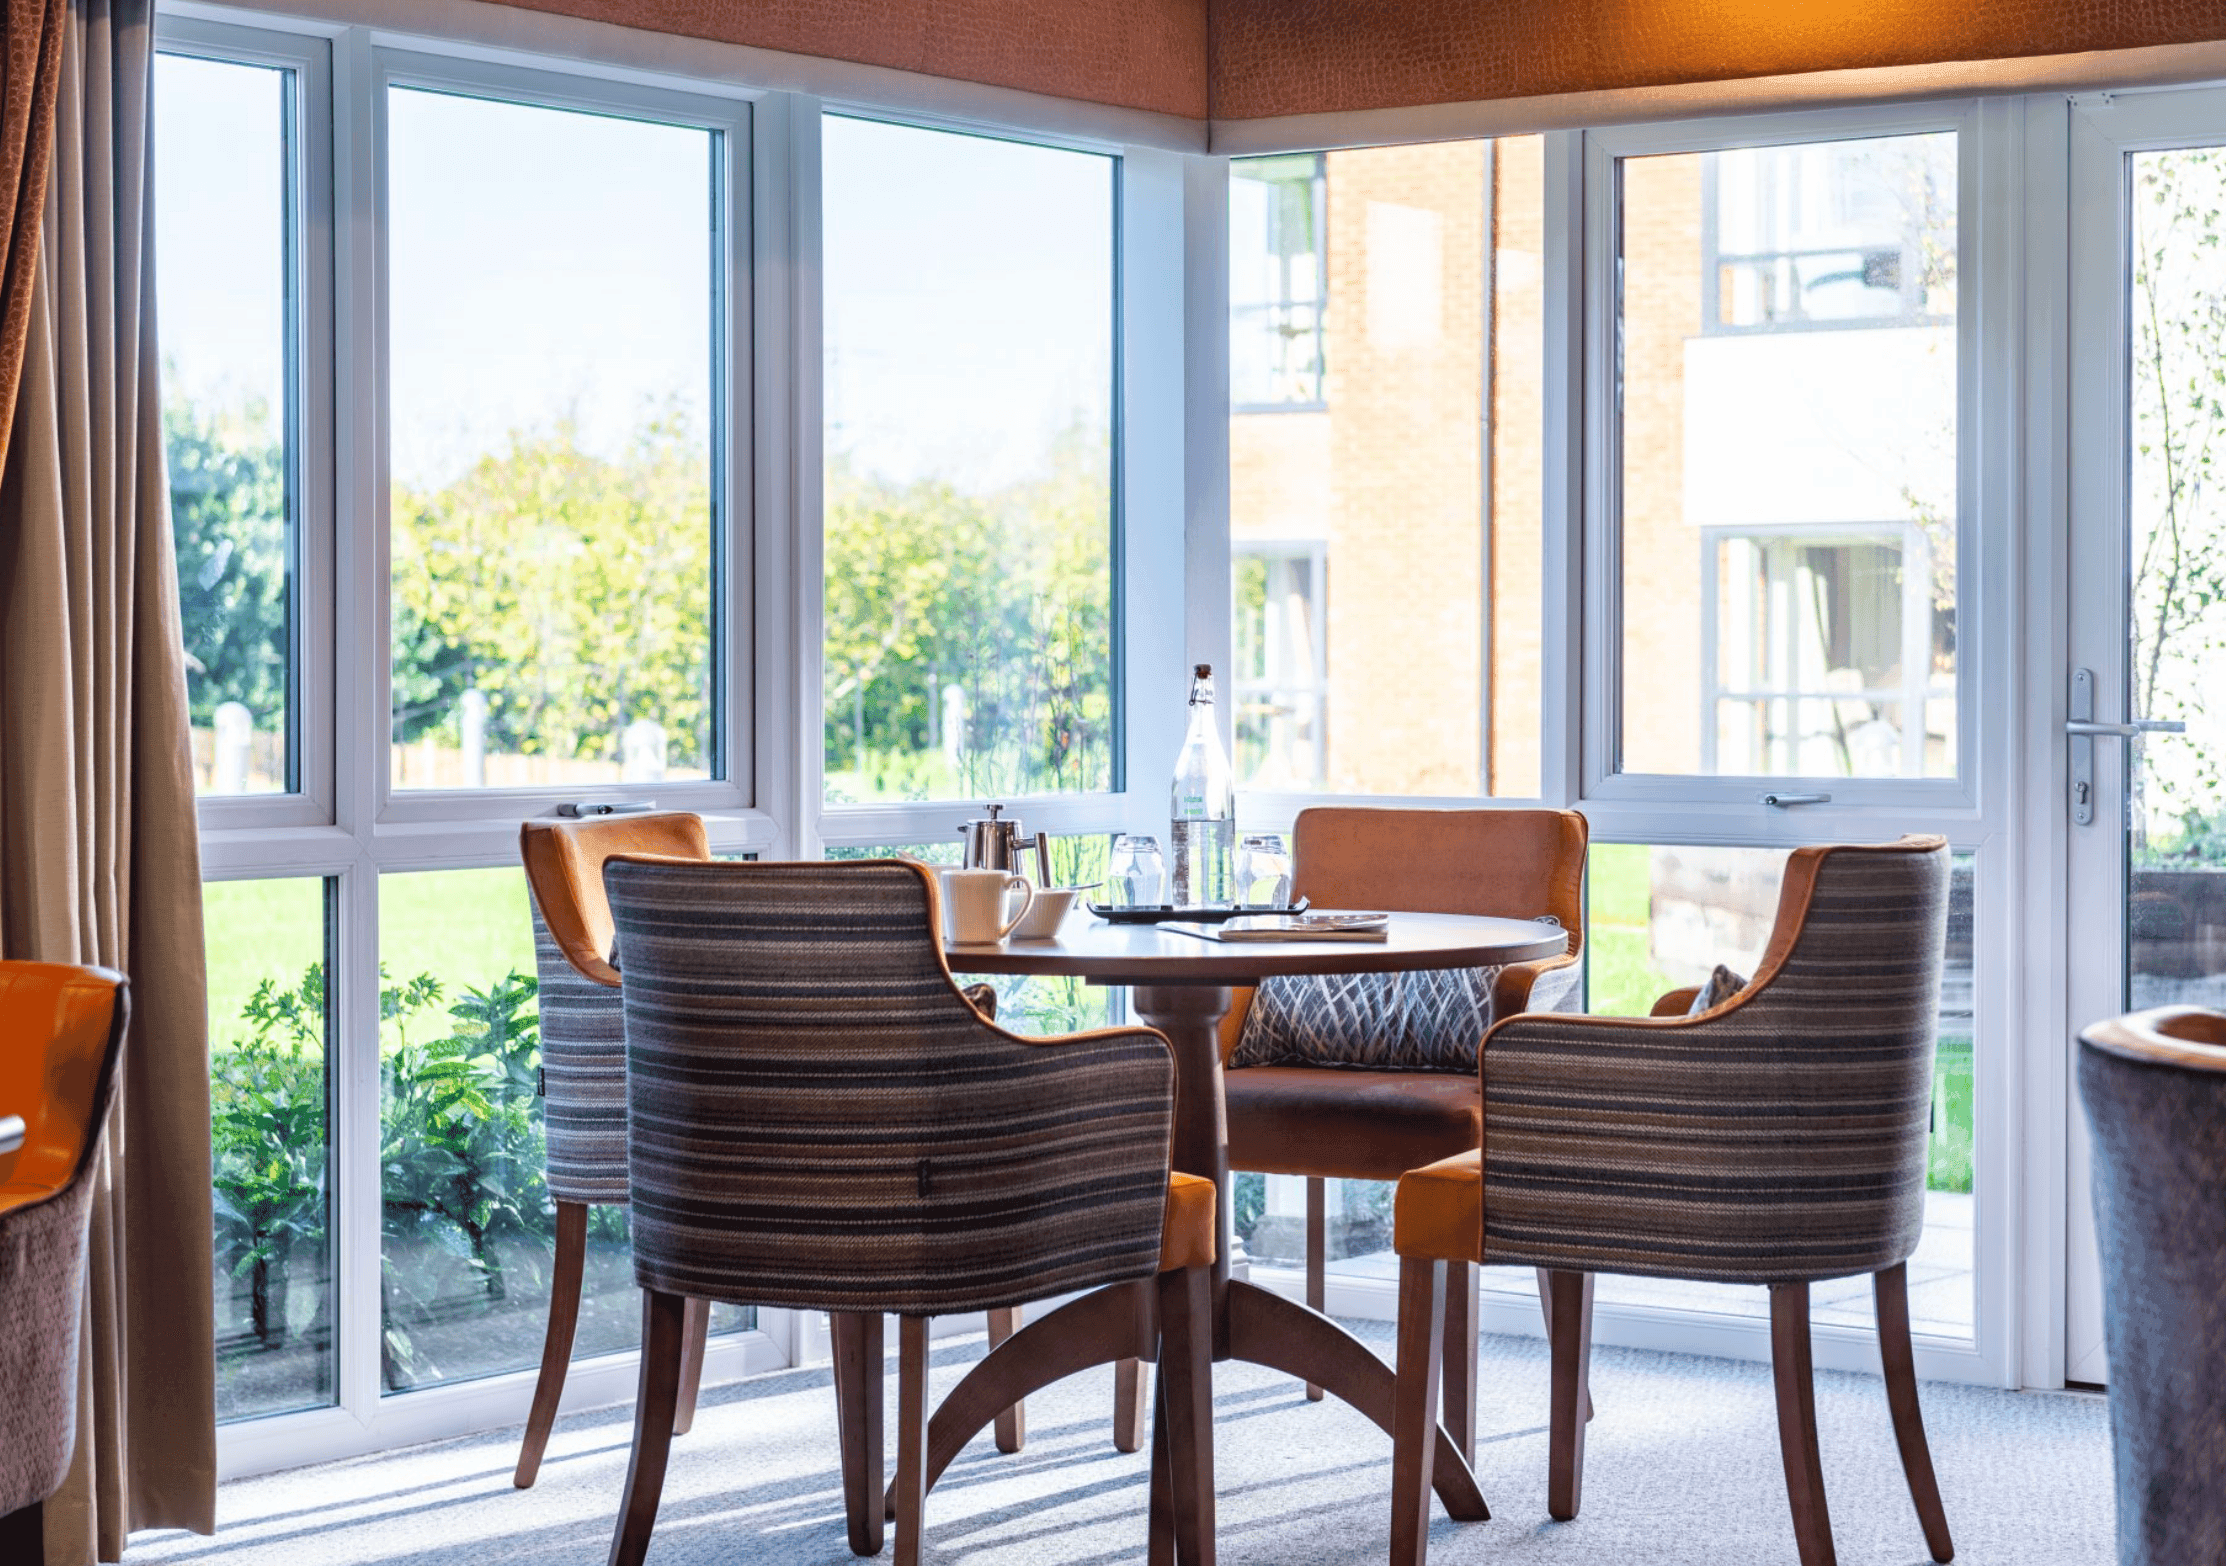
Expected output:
(99, 857)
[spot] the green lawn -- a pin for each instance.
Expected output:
(466, 928)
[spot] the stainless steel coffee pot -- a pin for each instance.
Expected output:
(996, 843)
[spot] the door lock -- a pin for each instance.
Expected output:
(2080, 724)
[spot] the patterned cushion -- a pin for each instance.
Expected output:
(1722, 985)
(1423, 1020)
(583, 1077)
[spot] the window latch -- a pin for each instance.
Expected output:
(1788, 801)
(606, 807)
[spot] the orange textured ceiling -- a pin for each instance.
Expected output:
(1246, 59)
(1310, 56)
(1134, 54)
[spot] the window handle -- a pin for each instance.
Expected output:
(1787, 801)
(2086, 728)
(585, 808)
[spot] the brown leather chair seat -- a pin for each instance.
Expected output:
(1349, 1125)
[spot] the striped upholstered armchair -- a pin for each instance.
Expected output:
(818, 1118)
(583, 1072)
(1777, 1138)
(61, 1034)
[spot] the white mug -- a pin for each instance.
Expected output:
(974, 905)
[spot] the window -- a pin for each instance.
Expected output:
(1837, 233)
(969, 511)
(226, 294)
(1278, 280)
(1386, 526)
(554, 310)
(1788, 410)
(1281, 647)
(270, 1092)
(1826, 655)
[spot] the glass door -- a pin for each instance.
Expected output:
(2144, 793)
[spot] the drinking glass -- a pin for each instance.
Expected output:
(1136, 872)
(1262, 857)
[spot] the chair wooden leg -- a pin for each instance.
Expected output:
(859, 1391)
(1460, 1358)
(1186, 1409)
(1796, 1380)
(1012, 1424)
(694, 1329)
(23, 1534)
(556, 1341)
(1546, 1309)
(1569, 1317)
(662, 1315)
(912, 1418)
(1129, 1391)
(1414, 1426)
(1891, 1290)
(1161, 1549)
(1317, 1256)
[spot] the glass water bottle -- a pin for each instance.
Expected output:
(1203, 806)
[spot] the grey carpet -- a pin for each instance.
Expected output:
(1682, 1466)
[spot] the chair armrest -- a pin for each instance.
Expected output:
(1677, 1002)
(1518, 988)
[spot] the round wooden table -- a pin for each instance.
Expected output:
(1181, 986)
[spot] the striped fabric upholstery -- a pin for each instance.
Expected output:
(583, 1076)
(817, 1117)
(1776, 1139)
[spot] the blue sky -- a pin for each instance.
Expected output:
(547, 266)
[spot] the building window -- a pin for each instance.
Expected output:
(1281, 643)
(1829, 656)
(1846, 233)
(1278, 280)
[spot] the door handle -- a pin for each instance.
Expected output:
(2085, 728)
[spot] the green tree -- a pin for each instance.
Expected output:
(571, 589)
(228, 518)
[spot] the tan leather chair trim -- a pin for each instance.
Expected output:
(1794, 894)
(2185, 1036)
(61, 1023)
(564, 867)
(1186, 1234)
(1438, 1212)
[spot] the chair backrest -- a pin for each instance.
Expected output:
(1778, 1137)
(1504, 864)
(817, 1117)
(2154, 1085)
(583, 1029)
(61, 1035)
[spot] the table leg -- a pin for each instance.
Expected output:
(1250, 1323)
(1190, 1015)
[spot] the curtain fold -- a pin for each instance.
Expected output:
(30, 72)
(99, 851)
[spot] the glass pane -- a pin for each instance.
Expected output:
(1030, 1003)
(269, 1098)
(1788, 404)
(1658, 919)
(1386, 335)
(2176, 562)
(224, 295)
(554, 331)
(469, 1231)
(969, 507)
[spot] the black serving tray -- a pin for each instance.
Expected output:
(1157, 913)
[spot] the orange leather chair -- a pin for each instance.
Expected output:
(583, 1071)
(1362, 1124)
(61, 1031)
